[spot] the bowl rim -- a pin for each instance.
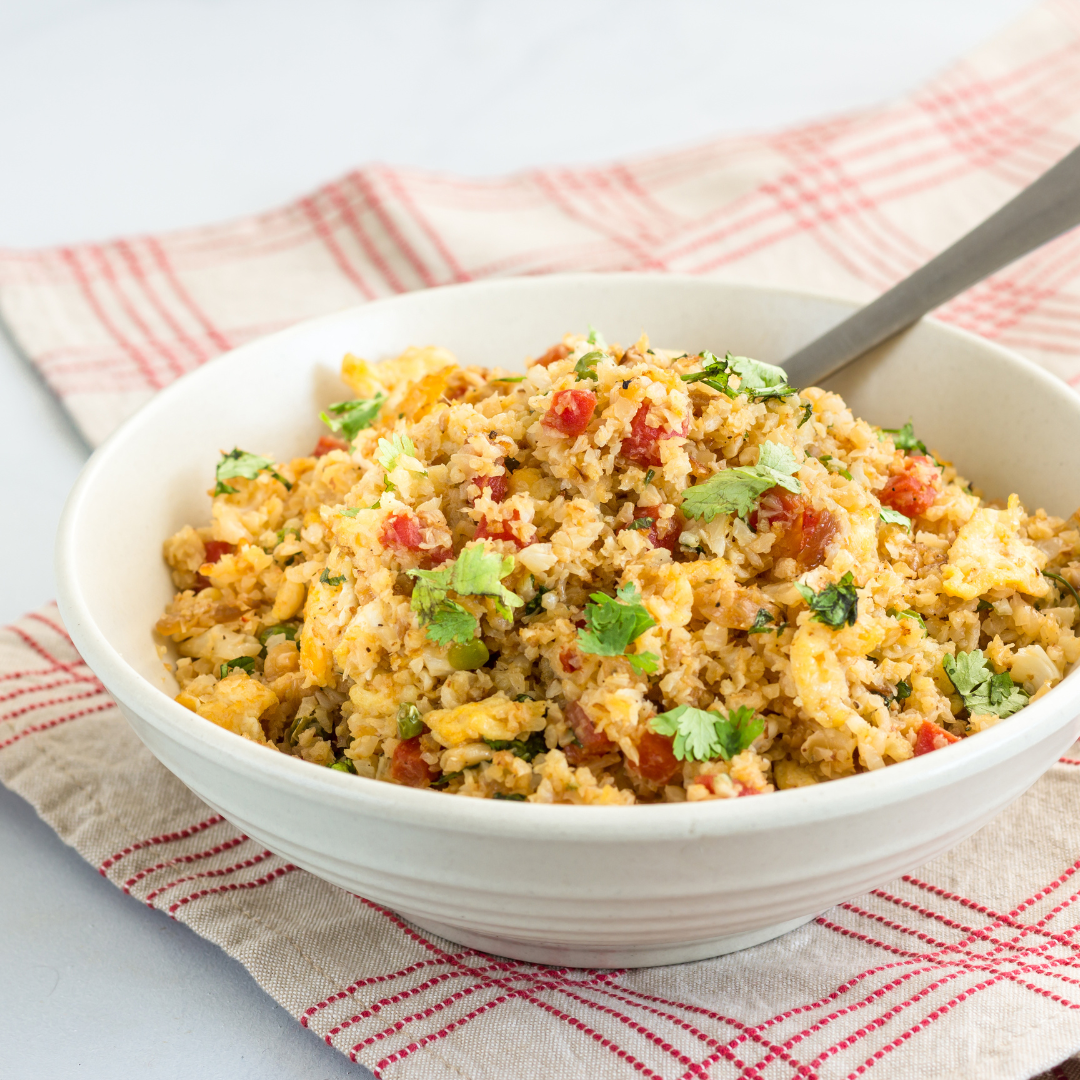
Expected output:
(796, 807)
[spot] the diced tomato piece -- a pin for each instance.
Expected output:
(499, 530)
(593, 743)
(932, 737)
(641, 445)
(327, 443)
(570, 659)
(656, 759)
(215, 549)
(556, 352)
(571, 411)
(741, 789)
(913, 491)
(437, 556)
(401, 532)
(664, 533)
(408, 767)
(495, 486)
(802, 533)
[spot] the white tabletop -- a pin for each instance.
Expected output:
(133, 115)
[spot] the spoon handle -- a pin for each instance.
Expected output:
(1044, 209)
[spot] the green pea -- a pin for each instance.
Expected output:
(409, 723)
(468, 657)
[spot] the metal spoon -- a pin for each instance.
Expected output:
(1043, 210)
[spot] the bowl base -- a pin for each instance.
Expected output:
(564, 954)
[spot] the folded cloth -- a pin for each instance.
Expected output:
(968, 968)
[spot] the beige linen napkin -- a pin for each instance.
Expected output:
(969, 968)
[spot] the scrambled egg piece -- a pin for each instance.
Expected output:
(234, 703)
(819, 677)
(494, 718)
(988, 554)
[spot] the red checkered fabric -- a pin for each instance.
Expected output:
(968, 969)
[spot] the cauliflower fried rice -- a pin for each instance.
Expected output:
(626, 576)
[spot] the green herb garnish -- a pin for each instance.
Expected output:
(585, 368)
(736, 491)
(390, 450)
(272, 631)
(904, 439)
(244, 663)
(351, 512)
(247, 466)
(766, 623)
(509, 378)
(908, 613)
(444, 780)
(612, 624)
(351, 417)
(475, 572)
(649, 477)
(983, 690)
(526, 749)
(596, 338)
(327, 579)
(834, 605)
(757, 380)
(509, 798)
(344, 765)
(703, 736)
(808, 411)
(641, 523)
(1061, 581)
(533, 606)
(894, 517)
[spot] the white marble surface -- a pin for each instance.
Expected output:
(132, 115)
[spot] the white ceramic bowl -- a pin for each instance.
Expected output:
(586, 886)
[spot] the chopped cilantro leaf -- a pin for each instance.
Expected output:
(766, 623)
(452, 623)
(808, 411)
(328, 579)
(585, 368)
(903, 690)
(409, 721)
(244, 663)
(273, 631)
(444, 780)
(509, 378)
(894, 517)
(515, 797)
(475, 572)
(904, 438)
(983, 690)
(1060, 581)
(596, 338)
(351, 512)
(702, 736)
(390, 450)
(834, 605)
(908, 613)
(536, 603)
(649, 477)
(526, 748)
(351, 417)
(985, 605)
(611, 624)
(247, 466)
(479, 572)
(737, 490)
(757, 380)
(641, 523)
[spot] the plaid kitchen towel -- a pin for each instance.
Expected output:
(969, 968)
